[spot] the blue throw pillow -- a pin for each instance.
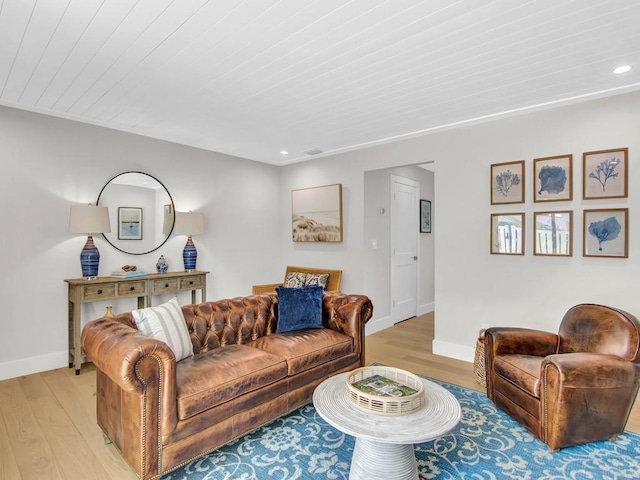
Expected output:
(299, 308)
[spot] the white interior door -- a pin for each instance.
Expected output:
(404, 219)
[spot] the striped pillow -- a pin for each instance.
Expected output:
(166, 323)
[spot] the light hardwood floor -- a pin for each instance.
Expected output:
(48, 424)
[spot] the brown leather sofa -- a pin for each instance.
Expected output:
(573, 387)
(161, 414)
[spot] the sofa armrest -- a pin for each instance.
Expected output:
(520, 341)
(348, 314)
(602, 388)
(138, 364)
(514, 341)
(589, 370)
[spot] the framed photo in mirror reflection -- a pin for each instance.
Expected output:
(129, 223)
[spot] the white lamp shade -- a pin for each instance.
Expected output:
(189, 223)
(89, 219)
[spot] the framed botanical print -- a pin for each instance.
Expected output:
(507, 233)
(604, 174)
(552, 178)
(507, 183)
(606, 232)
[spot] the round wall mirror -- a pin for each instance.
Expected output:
(141, 212)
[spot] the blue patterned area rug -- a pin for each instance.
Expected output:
(486, 444)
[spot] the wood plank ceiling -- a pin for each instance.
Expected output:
(251, 78)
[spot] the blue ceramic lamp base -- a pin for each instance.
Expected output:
(89, 259)
(189, 255)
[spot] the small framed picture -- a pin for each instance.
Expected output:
(552, 233)
(606, 233)
(604, 174)
(507, 233)
(552, 178)
(507, 182)
(129, 223)
(425, 216)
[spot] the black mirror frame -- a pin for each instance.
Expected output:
(172, 205)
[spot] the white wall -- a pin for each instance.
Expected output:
(377, 262)
(472, 287)
(340, 255)
(49, 164)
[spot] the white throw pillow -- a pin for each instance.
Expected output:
(166, 323)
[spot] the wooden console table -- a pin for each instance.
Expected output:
(112, 288)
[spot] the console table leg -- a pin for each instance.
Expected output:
(383, 461)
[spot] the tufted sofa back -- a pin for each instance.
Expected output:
(240, 320)
(229, 322)
(225, 322)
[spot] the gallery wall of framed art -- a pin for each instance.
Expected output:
(605, 230)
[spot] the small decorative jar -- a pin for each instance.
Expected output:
(162, 266)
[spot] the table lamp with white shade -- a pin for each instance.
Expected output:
(89, 219)
(189, 223)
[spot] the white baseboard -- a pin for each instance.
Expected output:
(453, 350)
(27, 366)
(378, 324)
(426, 308)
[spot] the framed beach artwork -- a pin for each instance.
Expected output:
(507, 233)
(604, 174)
(606, 232)
(552, 178)
(507, 182)
(316, 214)
(129, 223)
(425, 216)
(552, 233)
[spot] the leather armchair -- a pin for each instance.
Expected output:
(573, 387)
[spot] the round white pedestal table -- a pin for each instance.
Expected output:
(384, 444)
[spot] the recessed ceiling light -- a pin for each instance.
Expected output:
(283, 152)
(622, 69)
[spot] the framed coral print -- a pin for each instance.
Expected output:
(507, 233)
(552, 178)
(552, 233)
(604, 174)
(606, 233)
(317, 214)
(129, 223)
(425, 216)
(507, 183)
